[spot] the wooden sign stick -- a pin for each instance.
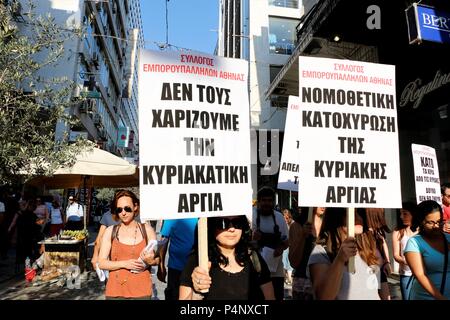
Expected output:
(203, 245)
(351, 233)
(311, 215)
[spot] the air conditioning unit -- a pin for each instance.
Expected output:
(83, 107)
(95, 59)
(97, 119)
(102, 134)
(87, 106)
(82, 55)
(92, 105)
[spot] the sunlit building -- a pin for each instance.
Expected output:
(100, 62)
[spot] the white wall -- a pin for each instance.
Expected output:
(67, 14)
(262, 115)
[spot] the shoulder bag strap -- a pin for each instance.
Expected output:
(255, 260)
(143, 232)
(276, 228)
(115, 232)
(444, 271)
(258, 219)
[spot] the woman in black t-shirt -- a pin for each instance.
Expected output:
(235, 271)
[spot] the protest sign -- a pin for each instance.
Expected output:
(194, 137)
(288, 175)
(348, 133)
(426, 173)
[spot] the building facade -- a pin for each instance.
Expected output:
(378, 31)
(372, 31)
(264, 33)
(100, 63)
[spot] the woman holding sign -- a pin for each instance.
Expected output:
(328, 261)
(302, 239)
(235, 272)
(427, 254)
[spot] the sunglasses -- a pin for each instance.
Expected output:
(119, 209)
(227, 223)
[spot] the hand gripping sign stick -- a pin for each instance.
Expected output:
(311, 215)
(203, 245)
(351, 233)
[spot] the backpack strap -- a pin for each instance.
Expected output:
(255, 261)
(115, 232)
(276, 228)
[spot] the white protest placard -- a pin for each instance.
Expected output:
(349, 135)
(426, 173)
(288, 175)
(194, 137)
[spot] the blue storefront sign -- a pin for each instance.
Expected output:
(123, 135)
(427, 24)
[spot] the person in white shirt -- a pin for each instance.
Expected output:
(74, 215)
(56, 218)
(270, 231)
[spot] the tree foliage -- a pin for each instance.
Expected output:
(107, 194)
(31, 106)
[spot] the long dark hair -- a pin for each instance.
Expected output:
(242, 247)
(411, 207)
(332, 235)
(376, 222)
(423, 209)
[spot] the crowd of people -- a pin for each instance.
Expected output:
(308, 248)
(30, 219)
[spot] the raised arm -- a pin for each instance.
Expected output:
(327, 278)
(297, 238)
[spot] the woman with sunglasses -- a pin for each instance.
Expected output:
(121, 248)
(427, 254)
(235, 271)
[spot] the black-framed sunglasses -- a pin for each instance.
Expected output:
(226, 223)
(434, 223)
(119, 209)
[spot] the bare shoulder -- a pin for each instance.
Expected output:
(150, 231)
(395, 234)
(108, 230)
